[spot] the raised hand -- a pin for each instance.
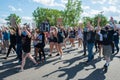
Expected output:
(112, 20)
(99, 19)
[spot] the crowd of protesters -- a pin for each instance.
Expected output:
(18, 40)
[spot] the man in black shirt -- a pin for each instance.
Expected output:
(107, 33)
(90, 36)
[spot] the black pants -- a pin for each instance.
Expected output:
(10, 47)
(116, 43)
(19, 51)
(96, 46)
(41, 53)
(84, 47)
(112, 45)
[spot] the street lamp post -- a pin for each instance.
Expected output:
(101, 13)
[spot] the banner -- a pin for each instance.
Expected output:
(45, 27)
(59, 21)
(12, 21)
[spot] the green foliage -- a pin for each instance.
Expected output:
(72, 12)
(86, 19)
(42, 14)
(103, 20)
(70, 15)
(94, 20)
(17, 18)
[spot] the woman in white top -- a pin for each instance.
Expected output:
(80, 36)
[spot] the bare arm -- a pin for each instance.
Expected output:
(98, 22)
(115, 27)
(28, 33)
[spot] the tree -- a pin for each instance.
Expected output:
(86, 19)
(17, 18)
(41, 14)
(103, 20)
(93, 20)
(72, 12)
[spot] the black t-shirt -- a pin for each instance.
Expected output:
(116, 36)
(41, 38)
(72, 34)
(90, 36)
(19, 38)
(60, 35)
(26, 40)
(107, 36)
(12, 38)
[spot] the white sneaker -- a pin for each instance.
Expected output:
(61, 56)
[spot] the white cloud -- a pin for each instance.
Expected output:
(64, 1)
(90, 13)
(111, 9)
(3, 21)
(117, 18)
(12, 8)
(4, 15)
(26, 18)
(98, 1)
(50, 3)
(85, 14)
(85, 7)
(94, 12)
(113, 2)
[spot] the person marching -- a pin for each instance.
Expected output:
(80, 35)
(53, 40)
(107, 33)
(41, 44)
(26, 47)
(90, 41)
(12, 41)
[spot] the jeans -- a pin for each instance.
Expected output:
(116, 45)
(90, 51)
(19, 51)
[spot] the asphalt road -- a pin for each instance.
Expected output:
(71, 67)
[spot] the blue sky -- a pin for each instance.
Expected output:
(24, 8)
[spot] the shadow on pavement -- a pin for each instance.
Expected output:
(7, 73)
(98, 74)
(113, 55)
(72, 71)
(70, 61)
(69, 50)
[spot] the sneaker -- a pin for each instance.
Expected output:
(16, 58)
(5, 57)
(21, 70)
(105, 68)
(19, 62)
(49, 55)
(57, 54)
(84, 54)
(61, 56)
(117, 52)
